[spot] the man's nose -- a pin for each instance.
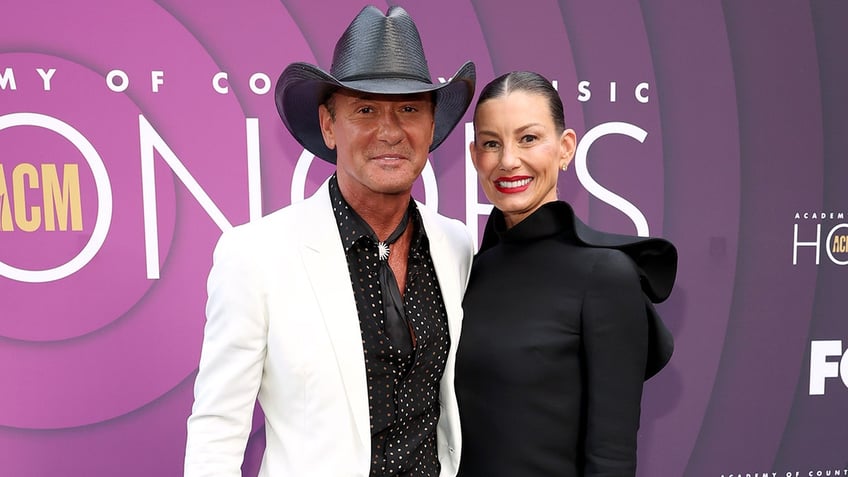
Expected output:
(389, 129)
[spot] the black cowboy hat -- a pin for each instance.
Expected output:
(376, 54)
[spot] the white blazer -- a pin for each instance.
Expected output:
(282, 326)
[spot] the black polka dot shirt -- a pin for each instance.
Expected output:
(403, 389)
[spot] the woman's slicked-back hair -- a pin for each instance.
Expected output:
(529, 82)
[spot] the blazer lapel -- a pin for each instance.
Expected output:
(326, 269)
(452, 272)
(447, 268)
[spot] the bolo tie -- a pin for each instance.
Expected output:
(395, 324)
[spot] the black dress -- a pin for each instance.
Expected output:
(558, 337)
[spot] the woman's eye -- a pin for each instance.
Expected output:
(490, 145)
(527, 138)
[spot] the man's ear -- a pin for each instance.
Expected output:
(325, 119)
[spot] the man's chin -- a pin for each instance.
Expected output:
(393, 182)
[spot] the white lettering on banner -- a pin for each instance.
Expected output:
(827, 473)
(254, 169)
(836, 472)
(46, 76)
(583, 92)
(104, 199)
(60, 199)
(7, 79)
(298, 187)
(157, 79)
(755, 474)
(597, 190)
(257, 78)
(834, 243)
(151, 141)
(821, 369)
(216, 83)
(796, 244)
(820, 215)
(260, 84)
(117, 87)
(473, 208)
(640, 91)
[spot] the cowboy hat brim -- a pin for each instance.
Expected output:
(302, 88)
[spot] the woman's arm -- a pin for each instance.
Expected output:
(615, 346)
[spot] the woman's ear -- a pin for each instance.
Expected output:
(568, 144)
(472, 149)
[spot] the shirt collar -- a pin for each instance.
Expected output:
(348, 219)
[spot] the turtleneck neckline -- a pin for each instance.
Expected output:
(549, 219)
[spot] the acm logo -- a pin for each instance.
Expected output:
(59, 200)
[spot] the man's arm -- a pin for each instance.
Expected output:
(230, 371)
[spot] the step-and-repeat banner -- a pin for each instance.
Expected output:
(133, 133)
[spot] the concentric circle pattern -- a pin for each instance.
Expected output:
(132, 133)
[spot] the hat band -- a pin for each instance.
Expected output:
(385, 76)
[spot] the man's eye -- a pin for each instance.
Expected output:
(366, 109)
(409, 109)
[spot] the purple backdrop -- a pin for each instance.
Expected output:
(131, 133)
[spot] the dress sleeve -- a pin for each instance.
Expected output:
(231, 362)
(615, 347)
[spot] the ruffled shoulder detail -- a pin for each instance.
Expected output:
(655, 258)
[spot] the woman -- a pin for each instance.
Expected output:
(559, 332)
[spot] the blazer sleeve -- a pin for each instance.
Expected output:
(615, 343)
(231, 362)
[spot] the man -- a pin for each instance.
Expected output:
(342, 312)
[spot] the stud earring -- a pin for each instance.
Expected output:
(564, 167)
